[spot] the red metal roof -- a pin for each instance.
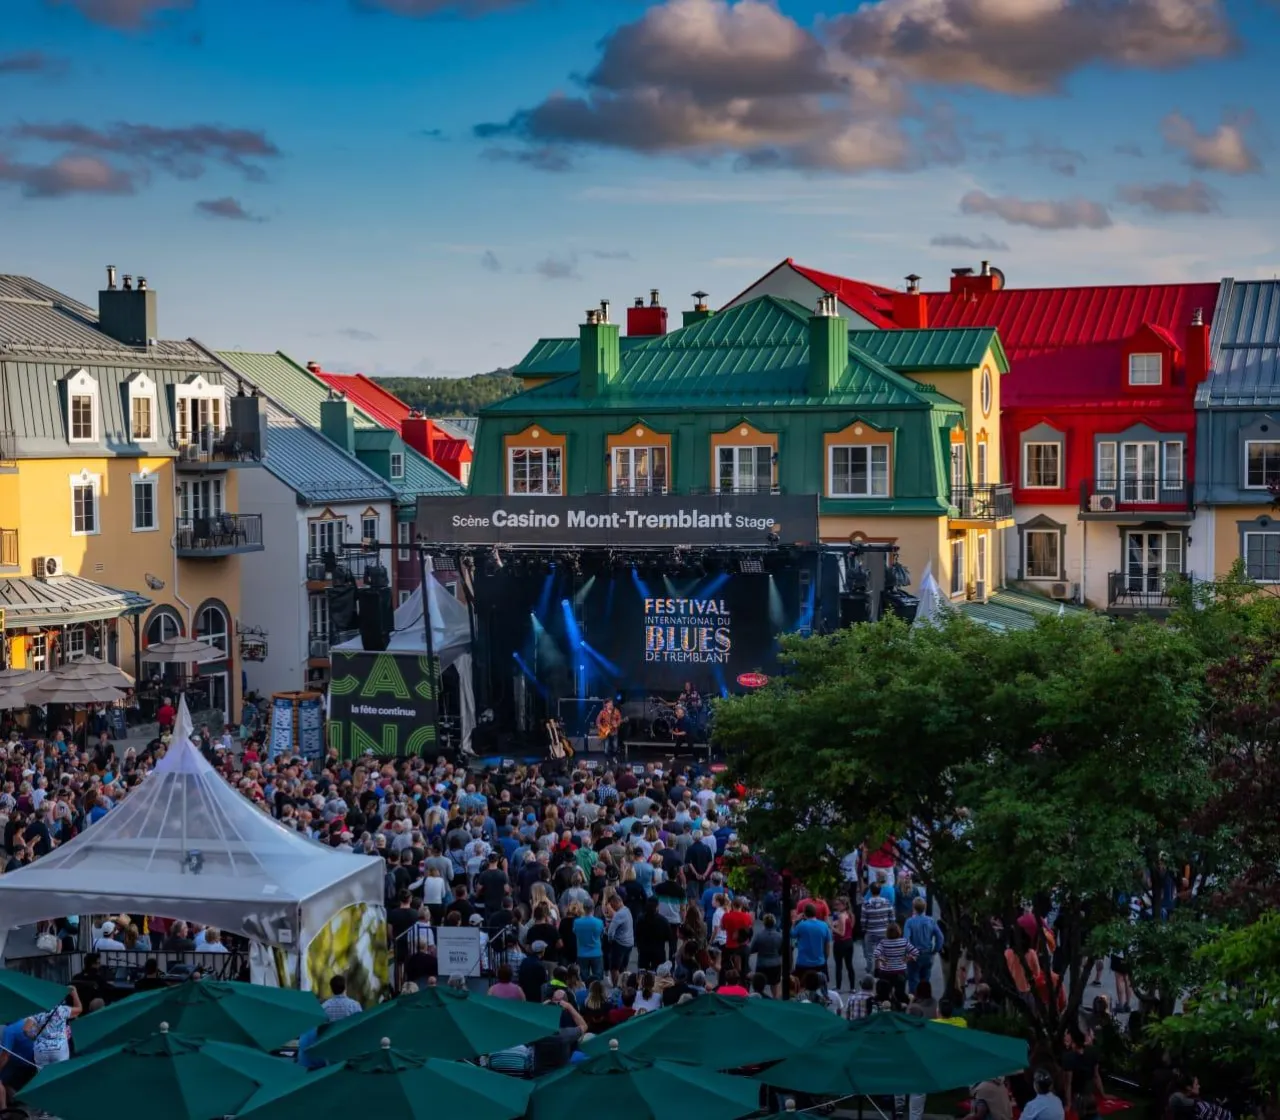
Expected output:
(871, 301)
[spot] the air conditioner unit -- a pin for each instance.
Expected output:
(1102, 503)
(45, 566)
(1064, 592)
(189, 452)
(319, 647)
(316, 570)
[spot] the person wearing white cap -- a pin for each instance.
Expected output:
(107, 940)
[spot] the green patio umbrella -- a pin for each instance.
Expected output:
(22, 995)
(179, 1078)
(639, 1089)
(388, 1082)
(443, 1023)
(891, 1053)
(222, 1010)
(720, 1032)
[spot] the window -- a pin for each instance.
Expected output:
(1149, 558)
(982, 463)
(957, 567)
(211, 628)
(980, 565)
(404, 537)
(38, 652)
(74, 643)
(1262, 557)
(464, 473)
(959, 478)
(199, 414)
(1173, 464)
(82, 411)
(141, 420)
(859, 472)
(1043, 554)
(369, 528)
(1144, 369)
(84, 504)
(986, 390)
(326, 535)
(402, 597)
(745, 470)
(1042, 466)
(200, 499)
(397, 464)
(144, 504)
(1139, 469)
(640, 470)
(534, 470)
(1262, 463)
(1108, 471)
(318, 606)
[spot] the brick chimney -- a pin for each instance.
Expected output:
(648, 321)
(909, 308)
(1197, 348)
(988, 279)
(419, 433)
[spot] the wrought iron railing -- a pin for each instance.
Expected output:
(221, 533)
(1134, 495)
(987, 502)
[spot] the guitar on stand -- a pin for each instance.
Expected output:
(608, 721)
(558, 745)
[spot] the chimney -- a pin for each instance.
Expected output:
(599, 352)
(313, 366)
(126, 314)
(419, 433)
(909, 308)
(988, 279)
(338, 422)
(648, 321)
(828, 346)
(700, 310)
(1197, 348)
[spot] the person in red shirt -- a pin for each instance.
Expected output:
(738, 925)
(166, 715)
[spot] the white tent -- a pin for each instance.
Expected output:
(185, 844)
(450, 637)
(933, 603)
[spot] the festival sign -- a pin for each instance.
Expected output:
(709, 521)
(384, 703)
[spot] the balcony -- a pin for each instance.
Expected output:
(218, 449)
(1143, 592)
(223, 534)
(8, 550)
(1135, 499)
(985, 504)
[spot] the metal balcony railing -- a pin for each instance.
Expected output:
(202, 446)
(220, 534)
(987, 502)
(1134, 495)
(1143, 590)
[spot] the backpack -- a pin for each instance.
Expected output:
(390, 892)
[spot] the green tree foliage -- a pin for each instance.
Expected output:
(452, 396)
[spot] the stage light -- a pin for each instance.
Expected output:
(773, 538)
(751, 565)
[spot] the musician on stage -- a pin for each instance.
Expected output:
(607, 724)
(692, 701)
(682, 732)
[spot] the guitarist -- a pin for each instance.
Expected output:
(607, 724)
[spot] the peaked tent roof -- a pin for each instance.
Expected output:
(253, 876)
(1244, 346)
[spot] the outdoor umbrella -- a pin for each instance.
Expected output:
(388, 1082)
(443, 1024)
(639, 1089)
(59, 689)
(720, 1032)
(16, 683)
(223, 1010)
(178, 1077)
(94, 669)
(22, 995)
(187, 651)
(891, 1053)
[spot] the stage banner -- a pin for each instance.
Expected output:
(311, 728)
(381, 702)
(281, 737)
(664, 520)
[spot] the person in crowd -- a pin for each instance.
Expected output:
(339, 1005)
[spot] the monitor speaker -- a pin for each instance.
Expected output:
(855, 606)
(375, 616)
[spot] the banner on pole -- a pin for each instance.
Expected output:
(384, 703)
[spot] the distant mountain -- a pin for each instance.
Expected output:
(452, 396)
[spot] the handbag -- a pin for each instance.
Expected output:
(47, 942)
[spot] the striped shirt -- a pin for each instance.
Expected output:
(876, 912)
(860, 1004)
(893, 953)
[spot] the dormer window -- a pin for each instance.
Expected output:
(82, 408)
(1145, 369)
(200, 413)
(142, 409)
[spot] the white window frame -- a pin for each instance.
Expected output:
(69, 650)
(82, 386)
(149, 481)
(1140, 369)
(318, 624)
(869, 466)
(1244, 553)
(1142, 488)
(209, 639)
(980, 465)
(980, 567)
(1171, 453)
(365, 521)
(1058, 569)
(545, 453)
(1164, 536)
(958, 580)
(1245, 483)
(628, 455)
(189, 401)
(404, 537)
(986, 394)
(38, 651)
(142, 388)
(958, 467)
(190, 487)
(464, 473)
(402, 597)
(397, 465)
(315, 546)
(1027, 445)
(1107, 467)
(92, 482)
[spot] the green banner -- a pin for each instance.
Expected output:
(382, 702)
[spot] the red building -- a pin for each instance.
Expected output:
(1097, 425)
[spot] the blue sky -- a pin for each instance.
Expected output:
(409, 186)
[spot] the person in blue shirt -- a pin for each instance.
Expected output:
(708, 896)
(926, 935)
(812, 938)
(305, 1042)
(588, 930)
(18, 1056)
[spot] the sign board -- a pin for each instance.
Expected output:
(281, 738)
(311, 728)
(612, 520)
(752, 680)
(459, 951)
(116, 722)
(381, 702)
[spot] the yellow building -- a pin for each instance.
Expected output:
(119, 519)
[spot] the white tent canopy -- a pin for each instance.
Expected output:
(450, 637)
(185, 844)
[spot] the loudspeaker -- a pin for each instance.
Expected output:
(901, 603)
(855, 606)
(376, 617)
(342, 607)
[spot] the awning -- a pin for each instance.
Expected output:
(63, 601)
(1011, 609)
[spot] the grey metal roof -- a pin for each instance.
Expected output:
(1244, 347)
(313, 467)
(460, 427)
(64, 600)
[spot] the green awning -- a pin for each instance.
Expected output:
(63, 601)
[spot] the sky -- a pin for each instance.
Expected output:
(425, 187)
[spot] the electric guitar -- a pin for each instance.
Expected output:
(558, 746)
(608, 722)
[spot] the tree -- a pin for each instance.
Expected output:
(452, 396)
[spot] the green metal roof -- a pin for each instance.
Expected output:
(1011, 609)
(551, 357)
(921, 351)
(755, 355)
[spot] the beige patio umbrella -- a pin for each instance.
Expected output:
(186, 651)
(72, 689)
(15, 683)
(94, 669)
